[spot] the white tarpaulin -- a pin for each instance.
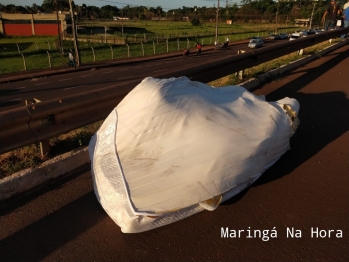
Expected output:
(174, 147)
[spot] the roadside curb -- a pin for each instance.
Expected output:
(31, 179)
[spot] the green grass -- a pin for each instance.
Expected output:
(34, 49)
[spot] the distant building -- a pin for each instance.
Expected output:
(302, 22)
(117, 18)
(33, 24)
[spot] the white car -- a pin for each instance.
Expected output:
(296, 36)
(255, 43)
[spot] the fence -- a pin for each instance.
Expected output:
(102, 47)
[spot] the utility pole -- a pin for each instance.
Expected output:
(77, 57)
(276, 17)
(59, 29)
(312, 13)
(216, 38)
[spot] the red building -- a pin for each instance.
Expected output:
(33, 24)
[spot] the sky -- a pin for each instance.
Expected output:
(165, 4)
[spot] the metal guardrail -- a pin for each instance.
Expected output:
(33, 123)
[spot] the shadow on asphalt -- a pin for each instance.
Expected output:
(323, 118)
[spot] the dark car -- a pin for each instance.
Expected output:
(274, 37)
(283, 36)
(311, 32)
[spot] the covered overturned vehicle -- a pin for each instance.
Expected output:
(175, 147)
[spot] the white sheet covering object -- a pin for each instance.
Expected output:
(174, 147)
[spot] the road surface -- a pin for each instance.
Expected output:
(118, 75)
(300, 204)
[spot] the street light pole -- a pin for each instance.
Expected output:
(216, 37)
(78, 61)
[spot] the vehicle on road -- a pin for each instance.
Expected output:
(219, 46)
(274, 37)
(311, 31)
(255, 43)
(319, 31)
(296, 36)
(283, 36)
(257, 37)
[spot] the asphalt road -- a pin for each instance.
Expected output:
(305, 191)
(14, 94)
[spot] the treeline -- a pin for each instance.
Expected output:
(258, 11)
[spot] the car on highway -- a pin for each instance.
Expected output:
(283, 36)
(311, 31)
(255, 43)
(274, 37)
(319, 31)
(297, 35)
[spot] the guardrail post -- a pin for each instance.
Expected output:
(142, 49)
(154, 47)
(112, 52)
(25, 66)
(19, 51)
(49, 58)
(128, 50)
(48, 43)
(93, 52)
(167, 44)
(45, 143)
(45, 147)
(178, 44)
(240, 74)
(188, 43)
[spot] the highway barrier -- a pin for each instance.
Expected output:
(37, 122)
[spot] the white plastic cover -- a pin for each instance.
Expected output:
(174, 147)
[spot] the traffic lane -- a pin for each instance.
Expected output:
(306, 189)
(52, 87)
(15, 93)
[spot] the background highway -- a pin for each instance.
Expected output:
(121, 76)
(307, 188)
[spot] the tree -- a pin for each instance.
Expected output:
(195, 21)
